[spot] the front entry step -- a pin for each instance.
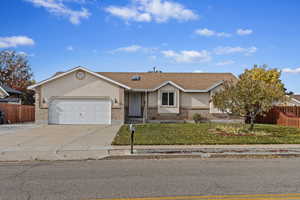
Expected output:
(134, 120)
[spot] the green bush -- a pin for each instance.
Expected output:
(197, 118)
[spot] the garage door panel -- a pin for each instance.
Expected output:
(80, 111)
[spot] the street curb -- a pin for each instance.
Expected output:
(199, 156)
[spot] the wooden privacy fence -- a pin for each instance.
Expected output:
(282, 115)
(15, 113)
(289, 110)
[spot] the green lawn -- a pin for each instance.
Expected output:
(205, 133)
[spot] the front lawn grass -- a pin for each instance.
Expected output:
(204, 133)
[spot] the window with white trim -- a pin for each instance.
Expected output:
(168, 98)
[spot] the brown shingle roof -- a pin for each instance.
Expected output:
(151, 80)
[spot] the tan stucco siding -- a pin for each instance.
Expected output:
(194, 100)
(182, 100)
(168, 109)
(152, 99)
(90, 86)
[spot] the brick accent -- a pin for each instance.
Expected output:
(41, 114)
(117, 115)
(184, 114)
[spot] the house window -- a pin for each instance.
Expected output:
(167, 99)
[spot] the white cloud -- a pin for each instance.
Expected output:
(226, 62)
(244, 31)
(289, 70)
(70, 48)
(129, 14)
(134, 48)
(206, 32)
(58, 7)
(152, 10)
(14, 41)
(130, 49)
(188, 56)
(231, 50)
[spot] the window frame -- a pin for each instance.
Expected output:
(168, 100)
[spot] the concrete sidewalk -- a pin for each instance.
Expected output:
(207, 150)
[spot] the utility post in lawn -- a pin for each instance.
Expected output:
(132, 131)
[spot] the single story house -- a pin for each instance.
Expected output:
(9, 95)
(294, 100)
(81, 96)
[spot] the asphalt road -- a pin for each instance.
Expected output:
(148, 178)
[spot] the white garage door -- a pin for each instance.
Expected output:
(80, 111)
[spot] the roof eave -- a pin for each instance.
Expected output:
(182, 89)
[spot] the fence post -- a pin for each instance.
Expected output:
(20, 113)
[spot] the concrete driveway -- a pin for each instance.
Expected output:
(55, 142)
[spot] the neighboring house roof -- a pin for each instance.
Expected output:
(295, 97)
(10, 90)
(184, 81)
(4, 91)
(189, 82)
(10, 100)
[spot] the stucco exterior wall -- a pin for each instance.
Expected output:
(186, 105)
(152, 99)
(70, 86)
(194, 100)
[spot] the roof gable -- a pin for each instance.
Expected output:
(168, 83)
(73, 70)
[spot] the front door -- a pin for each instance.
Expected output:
(135, 104)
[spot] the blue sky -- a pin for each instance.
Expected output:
(136, 35)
